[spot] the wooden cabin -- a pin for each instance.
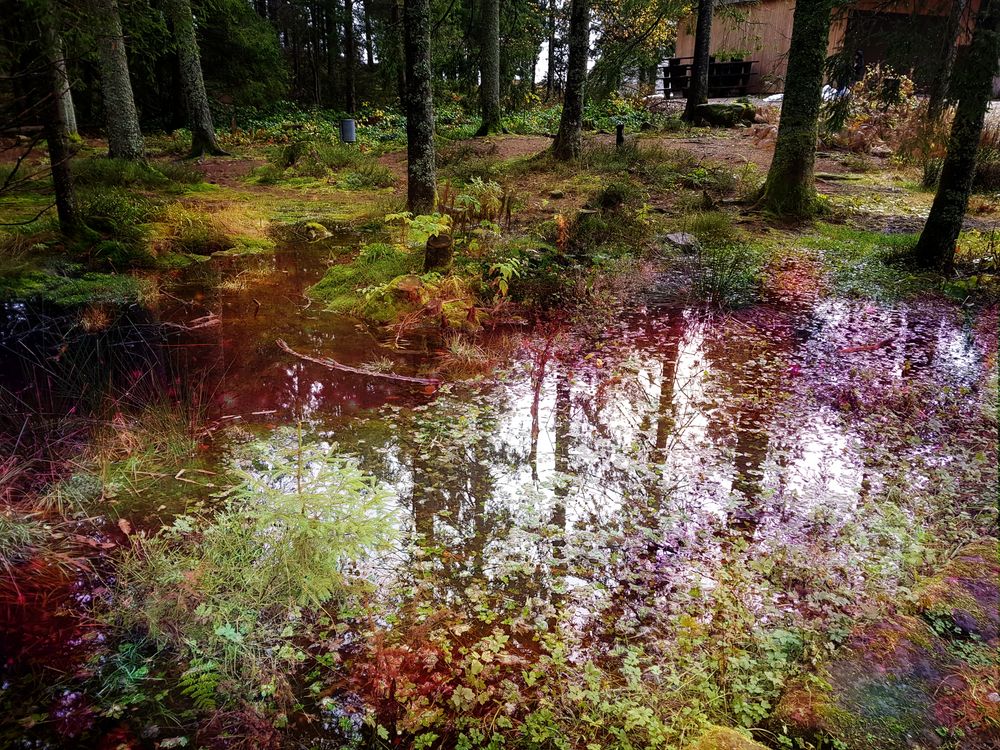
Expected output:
(906, 34)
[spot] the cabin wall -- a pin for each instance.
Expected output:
(763, 31)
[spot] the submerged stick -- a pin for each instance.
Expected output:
(334, 365)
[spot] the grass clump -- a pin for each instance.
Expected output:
(228, 595)
(317, 158)
(235, 227)
(368, 176)
(614, 221)
(732, 273)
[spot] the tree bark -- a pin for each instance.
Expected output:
(421, 183)
(125, 139)
(70, 221)
(65, 93)
(398, 44)
(936, 247)
(790, 188)
(938, 94)
(203, 139)
(489, 68)
(698, 88)
(550, 83)
(350, 58)
(568, 142)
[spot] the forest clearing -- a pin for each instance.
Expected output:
(362, 387)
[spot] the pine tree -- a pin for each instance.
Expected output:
(489, 83)
(936, 247)
(421, 184)
(568, 142)
(203, 140)
(698, 88)
(790, 188)
(125, 139)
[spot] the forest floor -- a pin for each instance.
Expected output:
(268, 480)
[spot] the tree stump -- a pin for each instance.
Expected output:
(439, 253)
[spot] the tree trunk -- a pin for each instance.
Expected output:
(396, 21)
(70, 221)
(938, 94)
(698, 88)
(124, 135)
(489, 68)
(421, 183)
(350, 57)
(65, 93)
(790, 188)
(936, 247)
(568, 141)
(550, 84)
(203, 139)
(369, 48)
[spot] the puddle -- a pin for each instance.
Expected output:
(800, 452)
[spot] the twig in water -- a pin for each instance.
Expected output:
(334, 365)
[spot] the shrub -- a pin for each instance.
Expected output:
(227, 594)
(987, 177)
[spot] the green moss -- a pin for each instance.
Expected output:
(68, 291)
(870, 264)
(720, 738)
(347, 287)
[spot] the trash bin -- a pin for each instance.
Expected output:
(347, 131)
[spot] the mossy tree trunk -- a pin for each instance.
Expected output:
(421, 176)
(54, 87)
(938, 94)
(350, 58)
(698, 88)
(203, 140)
(568, 142)
(125, 139)
(790, 188)
(936, 247)
(489, 68)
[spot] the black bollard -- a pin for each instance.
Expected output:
(620, 134)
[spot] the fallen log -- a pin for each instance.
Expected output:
(335, 365)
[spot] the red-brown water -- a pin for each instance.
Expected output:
(608, 482)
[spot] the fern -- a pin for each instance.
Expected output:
(200, 683)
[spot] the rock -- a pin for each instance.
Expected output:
(881, 150)
(686, 243)
(556, 194)
(725, 115)
(720, 738)
(900, 684)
